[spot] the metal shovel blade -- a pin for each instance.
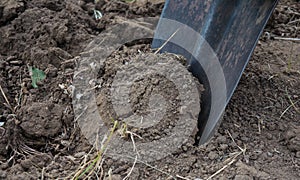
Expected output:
(217, 37)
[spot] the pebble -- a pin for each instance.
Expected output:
(244, 138)
(212, 155)
(26, 164)
(269, 136)
(223, 146)
(197, 165)
(221, 139)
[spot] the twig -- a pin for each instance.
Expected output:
(127, 176)
(291, 22)
(133, 141)
(3, 133)
(110, 174)
(3, 94)
(27, 150)
(134, 149)
(234, 140)
(292, 103)
(184, 178)
(43, 171)
(287, 39)
(233, 158)
(85, 108)
(149, 165)
(165, 43)
(90, 166)
(287, 109)
(224, 167)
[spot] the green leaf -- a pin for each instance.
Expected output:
(36, 75)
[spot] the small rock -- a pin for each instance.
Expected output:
(223, 146)
(210, 147)
(244, 138)
(221, 139)
(26, 164)
(212, 155)
(269, 136)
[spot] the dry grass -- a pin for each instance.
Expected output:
(87, 169)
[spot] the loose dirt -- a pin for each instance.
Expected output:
(258, 138)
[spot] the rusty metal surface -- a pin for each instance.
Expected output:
(231, 29)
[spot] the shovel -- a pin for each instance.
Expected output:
(217, 37)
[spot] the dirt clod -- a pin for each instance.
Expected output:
(41, 119)
(153, 97)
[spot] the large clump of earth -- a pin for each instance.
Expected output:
(142, 90)
(152, 95)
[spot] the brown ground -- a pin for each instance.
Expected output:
(39, 138)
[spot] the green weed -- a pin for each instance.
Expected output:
(36, 75)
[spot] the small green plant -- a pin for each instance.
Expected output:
(36, 75)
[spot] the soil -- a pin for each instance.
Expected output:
(259, 137)
(153, 99)
(145, 86)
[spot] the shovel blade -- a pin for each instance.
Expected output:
(217, 37)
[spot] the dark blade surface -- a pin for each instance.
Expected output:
(217, 37)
